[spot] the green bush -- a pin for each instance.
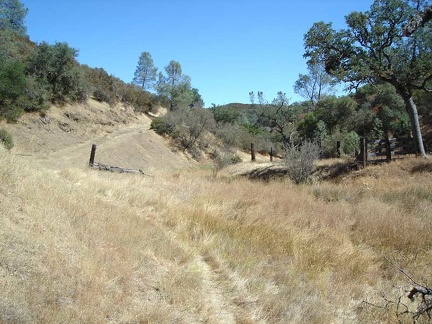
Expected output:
(351, 143)
(101, 95)
(141, 100)
(12, 85)
(6, 139)
(240, 137)
(55, 67)
(224, 158)
(329, 143)
(36, 96)
(162, 126)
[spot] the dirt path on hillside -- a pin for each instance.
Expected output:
(135, 147)
(63, 138)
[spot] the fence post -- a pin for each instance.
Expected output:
(92, 155)
(252, 152)
(363, 151)
(388, 148)
(362, 157)
(338, 149)
(271, 154)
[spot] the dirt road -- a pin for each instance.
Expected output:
(64, 136)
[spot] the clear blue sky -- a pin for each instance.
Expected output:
(227, 47)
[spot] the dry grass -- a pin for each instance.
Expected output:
(81, 246)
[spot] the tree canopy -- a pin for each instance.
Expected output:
(12, 15)
(146, 72)
(174, 88)
(55, 67)
(315, 85)
(373, 48)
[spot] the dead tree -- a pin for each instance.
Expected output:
(418, 293)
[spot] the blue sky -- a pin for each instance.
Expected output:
(227, 47)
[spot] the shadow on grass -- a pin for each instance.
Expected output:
(336, 170)
(423, 167)
(267, 174)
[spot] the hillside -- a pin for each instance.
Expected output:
(181, 244)
(62, 138)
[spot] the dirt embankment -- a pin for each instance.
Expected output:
(62, 137)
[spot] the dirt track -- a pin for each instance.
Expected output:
(63, 138)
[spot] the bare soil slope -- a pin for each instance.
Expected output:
(63, 137)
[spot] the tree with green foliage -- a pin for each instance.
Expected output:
(174, 88)
(335, 112)
(197, 100)
(351, 143)
(102, 85)
(387, 114)
(12, 16)
(55, 68)
(146, 72)
(418, 20)
(225, 115)
(185, 125)
(373, 48)
(315, 85)
(14, 45)
(12, 85)
(307, 126)
(320, 132)
(277, 118)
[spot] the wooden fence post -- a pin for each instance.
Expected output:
(92, 155)
(388, 148)
(252, 152)
(271, 154)
(338, 149)
(363, 151)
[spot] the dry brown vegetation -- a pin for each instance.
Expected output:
(77, 245)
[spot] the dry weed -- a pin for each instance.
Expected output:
(83, 246)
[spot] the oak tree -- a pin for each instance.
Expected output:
(373, 48)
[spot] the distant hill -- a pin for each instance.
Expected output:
(236, 105)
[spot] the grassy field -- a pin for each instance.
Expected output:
(82, 246)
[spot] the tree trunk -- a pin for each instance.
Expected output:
(415, 124)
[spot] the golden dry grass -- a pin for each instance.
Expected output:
(84, 246)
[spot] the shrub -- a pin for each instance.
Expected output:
(134, 95)
(162, 126)
(35, 97)
(300, 161)
(187, 126)
(329, 146)
(351, 143)
(223, 158)
(102, 96)
(6, 139)
(55, 67)
(232, 135)
(12, 85)
(192, 124)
